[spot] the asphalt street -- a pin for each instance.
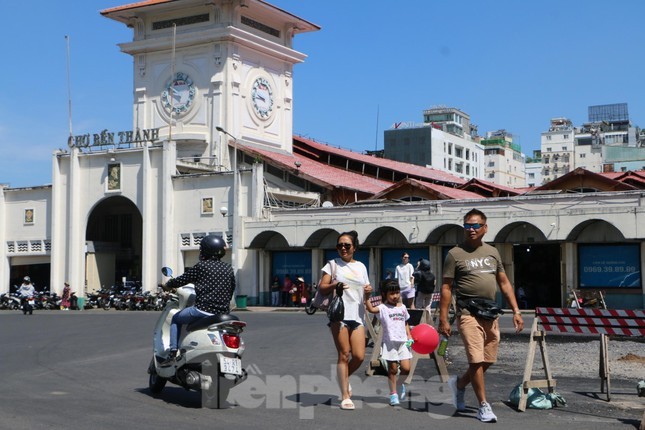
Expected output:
(87, 370)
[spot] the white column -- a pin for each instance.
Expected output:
(58, 228)
(150, 257)
(76, 224)
(169, 249)
(5, 267)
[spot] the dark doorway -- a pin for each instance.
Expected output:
(114, 230)
(39, 274)
(537, 272)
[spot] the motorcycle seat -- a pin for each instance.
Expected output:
(211, 319)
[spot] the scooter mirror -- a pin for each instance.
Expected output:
(166, 271)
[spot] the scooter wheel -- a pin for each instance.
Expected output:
(310, 310)
(155, 382)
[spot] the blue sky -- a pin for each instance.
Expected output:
(510, 64)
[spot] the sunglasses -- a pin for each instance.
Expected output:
(343, 245)
(475, 226)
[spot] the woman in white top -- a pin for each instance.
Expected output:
(349, 334)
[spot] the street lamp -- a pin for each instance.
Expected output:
(235, 213)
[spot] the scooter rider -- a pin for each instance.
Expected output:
(214, 283)
(26, 290)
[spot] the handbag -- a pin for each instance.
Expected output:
(322, 301)
(481, 308)
(336, 310)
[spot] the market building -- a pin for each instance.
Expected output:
(212, 150)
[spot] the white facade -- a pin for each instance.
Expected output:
(533, 172)
(124, 209)
(504, 162)
(557, 147)
(460, 156)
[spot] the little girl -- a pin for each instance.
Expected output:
(396, 334)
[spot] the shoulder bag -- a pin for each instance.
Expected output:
(321, 301)
(481, 308)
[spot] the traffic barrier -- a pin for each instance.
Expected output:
(615, 322)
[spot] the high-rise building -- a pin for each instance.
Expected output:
(606, 142)
(446, 140)
(557, 149)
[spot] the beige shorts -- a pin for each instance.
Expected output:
(480, 338)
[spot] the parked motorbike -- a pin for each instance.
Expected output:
(589, 299)
(10, 301)
(210, 352)
(310, 309)
(51, 301)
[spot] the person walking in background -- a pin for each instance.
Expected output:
(349, 276)
(424, 280)
(403, 274)
(65, 303)
(472, 270)
(275, 291)
(396, 335)
(301, 291)
(285, 292)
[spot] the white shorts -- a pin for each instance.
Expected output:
(408, 293)
(395, 351)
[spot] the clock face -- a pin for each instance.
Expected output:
(262, 98)
(179, 94)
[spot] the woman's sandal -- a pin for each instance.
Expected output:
(347, 405)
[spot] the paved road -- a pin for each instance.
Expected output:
(87, 370)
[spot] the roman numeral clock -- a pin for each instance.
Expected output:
(262, 98)
(179, 94)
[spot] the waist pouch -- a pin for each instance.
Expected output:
(481, 308)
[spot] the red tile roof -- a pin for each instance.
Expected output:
(318, 173)
(134, 6)
(440, 192)
(489, 189)
(423, 173)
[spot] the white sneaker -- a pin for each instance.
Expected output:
(486, 414)
(457, 394)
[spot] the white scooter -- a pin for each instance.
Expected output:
(210, 351)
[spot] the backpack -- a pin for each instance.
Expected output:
(424, 278)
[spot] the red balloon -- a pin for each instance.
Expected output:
(426, 338)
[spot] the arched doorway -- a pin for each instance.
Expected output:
(114, 244)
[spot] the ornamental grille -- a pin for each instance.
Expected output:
(185, 240)
(197, 238)
(187, 20)
(259, 26)
(27, 247)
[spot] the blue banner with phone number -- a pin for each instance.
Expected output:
(609, 266)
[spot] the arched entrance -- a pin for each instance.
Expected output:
(114, 243)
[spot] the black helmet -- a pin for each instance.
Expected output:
(212, 246)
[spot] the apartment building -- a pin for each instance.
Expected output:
(503, 160)
(446, 140)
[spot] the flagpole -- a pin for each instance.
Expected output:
(172, 77)
(69, 90)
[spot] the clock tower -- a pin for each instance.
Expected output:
(199, 66)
